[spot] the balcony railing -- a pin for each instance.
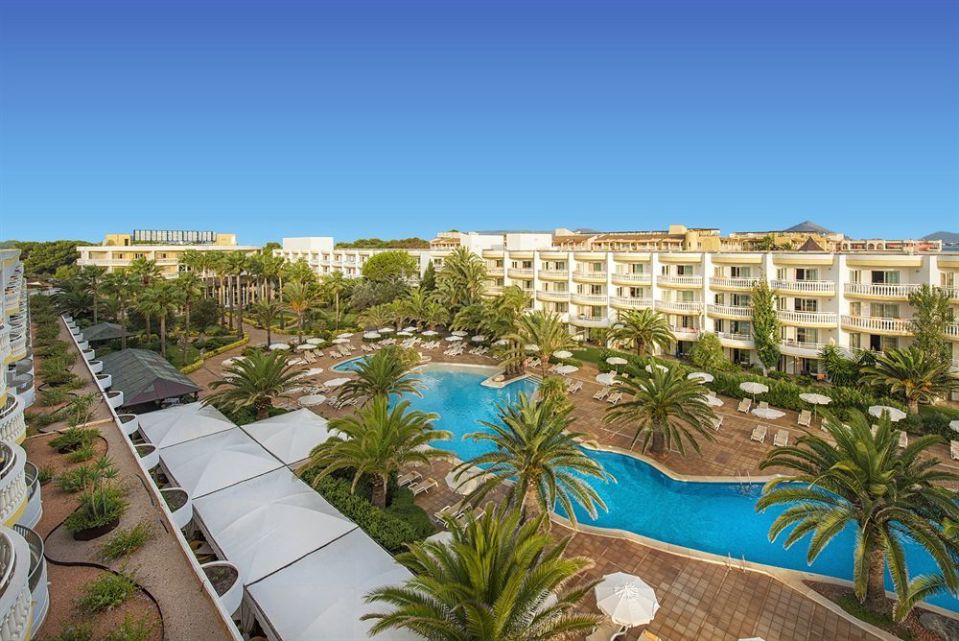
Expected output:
(952, 292)
(554, 273)
(805, 286)
(516, 272)
(589, 321)
(554, 297)
(807, 318)
(680, 281)
(628, 277)
(13, 429)
(15, 597)
(735, 337)
(880, 290)
(679, 306)
(589, 299)
(37, 576)
(731, 311)
(734, 283)
(13, 482)
(801, 348)
(952, 331)
(877, 324)
(494, 271)
(631, 303)
(587, 275)
(685, 333)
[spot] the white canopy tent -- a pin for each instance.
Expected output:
(322, 596)
(266, 523)
(214, 462)
(181, 423)
(290, 437)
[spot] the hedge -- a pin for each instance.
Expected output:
(194, 366)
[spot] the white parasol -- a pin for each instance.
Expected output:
(702, 377)
(895, 415)
(626, 599)
(566, 369)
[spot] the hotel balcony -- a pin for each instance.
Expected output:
(625, 302)
(791, 347)
(680, 307)
(805, 287)
(680, 282)
(738, 284)
(589, 277)
(589, 299)
(588, 321)
(494, 271)
(952, 293)
(36, 578)
(685, 333)
(16, 598)
(632, 279)
(552, 297)
(737, 341)
(952, 332)
(807, 319)
(492, 290)
(14, 492)
(730, 311)
(886, 292)
(878, 325)
(13, 429)
(553, 274)
(34, 510)
(521, 274)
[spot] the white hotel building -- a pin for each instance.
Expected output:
(847, 296)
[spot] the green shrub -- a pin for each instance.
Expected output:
(126, 541)
(105, 592)
(74, 438)
(87, 476)
(82, 454)
(50, 396)
(403, 506)
(386, 528)
(40, 419)
(707, 353)
(98, 507)
(75, 632)
(45, 474)
(132, 629)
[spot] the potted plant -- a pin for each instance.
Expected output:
(149, 455)
(180, 505)
(129, 423)
(99, 512)
(73, 439)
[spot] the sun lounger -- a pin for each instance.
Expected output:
(601, 394)
(744, 406)
(423, 486)
(764, 405)
(805, 418)
(606, 631)
(781, 439)
(410, 477)
(447, 512)
(615, 398)
(954, 450)
(575, 387)
(759, 434)
(717, 422)
(903, 439)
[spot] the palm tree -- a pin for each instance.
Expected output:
(143, 272)
(415, 306)
(267, 311)
(915, 375)
(435, 315)
(333, 285)
(643, 329)
(117, 285)
(379, 441)
(256, 381)
(191, 288)
(376, 316)
(885, 491)
(299, 297)
(384, 373)
(236, 265)
(161, 299)
(536, 458)
(544, 330)
(74, 300)
(92, 278)
(220, 268)
(497, 580)
(461, 280)
(667, 409)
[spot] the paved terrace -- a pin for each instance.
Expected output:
(701, 601)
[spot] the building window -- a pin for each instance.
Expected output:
(740, 272)
(806, 305)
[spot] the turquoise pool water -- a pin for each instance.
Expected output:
(712, 517)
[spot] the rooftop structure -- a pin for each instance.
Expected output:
(164, 247)
(145, 377)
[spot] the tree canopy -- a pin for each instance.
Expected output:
(390, 265)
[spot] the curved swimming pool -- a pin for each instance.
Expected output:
(719, 518)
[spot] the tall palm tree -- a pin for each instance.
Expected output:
(221, 270)
(543, 330)
(236, 263)
(667, 409)
(384, 373)
(498, 579)
(379, 441)
(415, 306)
(913, 374)
(536, 458)
(461, 280)
(161, 299)
(333, 285)
(435, 315)
(91, 277)
(256, 381)
(267, 311)
(376, 316)
(644, 329)
(886, 492)
(117, 286)
(299, 297)
(143, 272)
(191, 288)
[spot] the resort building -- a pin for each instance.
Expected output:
(830, 289)
(23, 583)
(162, 246)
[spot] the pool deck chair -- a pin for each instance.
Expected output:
(615, 398)
(781, 439)
(601, 394)
(717, 422)
(575, 387)
(759, 434)
(744, 406)
(408, 478)
(805, 418)
(423, 486)
(954, 450)
(607, 631)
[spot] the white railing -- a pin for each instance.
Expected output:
(589, 321)
(685, 332)
(880, 290)
(735, 311)
(37, 576)
(15, 599)
(679, 306)
(13, 429)
(737, 283)
(516, 272)
(13, 482)
(807, 318)
(681, 281)
(952, 330)
(589, 299)
(808, 348)
(555, 297)
(585, 274)
(554, 273)
(732, 336)
(894, 325)
(632, 303)
(18, 346)
(628, 277)
(805, 286)
(951, 292)
(494, 271)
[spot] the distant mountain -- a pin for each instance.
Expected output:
(944, 236)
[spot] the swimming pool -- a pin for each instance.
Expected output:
(719, 518)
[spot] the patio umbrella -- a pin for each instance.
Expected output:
(371, 335)
(714, 401)
(340, 341)
(501, 342)
(465, 483)
(954, 426)
(566, 369)
(479, 338)
(460, 333)
(313, 371)
(815, 399)
(768, 413)
(563, 354)
(404, 333)
(316, 341)
(443, 536)
(702, 377)
(229, 361)
(430, 332)
(409, 329)
(753, 388)
(311, 400)
(345, 335)
(895, 415)
(279, 346)
(606, 379)
(626, 599)
(305, 347)
(662, 368)
(454, 339)
(531, 347)
(617, 360)
(336, 382)
(386, 330)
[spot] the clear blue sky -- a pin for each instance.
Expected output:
(395, 118)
